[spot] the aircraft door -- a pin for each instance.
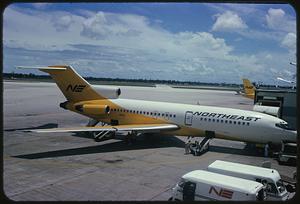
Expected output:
(188, 193)
(188, 120)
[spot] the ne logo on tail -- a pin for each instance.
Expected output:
(75, 88)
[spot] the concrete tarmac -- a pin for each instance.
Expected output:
(73, 167)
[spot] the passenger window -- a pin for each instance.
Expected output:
(217, 120)
(225, 121)
(213, 120)
(158, 114)
(239, 123)
(162, 114)
(243, 123)
(234, 122)
(248, 123)
(209, 119)
(230, 121)
(174, 116)
(204, 119)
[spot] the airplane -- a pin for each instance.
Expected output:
(140, 116)
(293, 82)
(285, 80)
(248, 89)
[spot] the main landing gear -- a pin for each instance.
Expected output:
(130, 138)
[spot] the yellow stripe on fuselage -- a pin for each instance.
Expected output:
(126, 118)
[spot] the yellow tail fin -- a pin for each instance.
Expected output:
(73, 86)
(248, 87)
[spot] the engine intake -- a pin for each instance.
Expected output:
(108, 92)
(94, 109)
(64, 105)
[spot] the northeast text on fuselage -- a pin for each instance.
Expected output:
(225, 116)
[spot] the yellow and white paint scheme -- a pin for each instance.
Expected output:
(166, 118)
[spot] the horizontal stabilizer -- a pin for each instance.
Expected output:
(115, 128)
(41, 68)
(72, 85)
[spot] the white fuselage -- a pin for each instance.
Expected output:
(230, 123)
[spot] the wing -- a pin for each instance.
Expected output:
(281, 79)
(115, 128)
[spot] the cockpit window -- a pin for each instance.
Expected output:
(284, 126)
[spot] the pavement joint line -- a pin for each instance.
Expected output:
(161, 192)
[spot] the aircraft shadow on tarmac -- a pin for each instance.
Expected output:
(247, 151)
(48, 125)
(142, 142)
(108, 147)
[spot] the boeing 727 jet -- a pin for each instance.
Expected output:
(139, 116)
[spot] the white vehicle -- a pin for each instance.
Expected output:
(205, 185)
(288, 152)
(275, 188)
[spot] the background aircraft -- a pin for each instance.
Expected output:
(291, 81)
(248, 89)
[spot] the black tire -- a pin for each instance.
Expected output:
(170, 199)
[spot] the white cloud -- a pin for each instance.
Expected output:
(229, 21)
(40, 5)
(123, 45)
(269, 56)
(62, 23)
(103, 25)
(289, 42)
(273, 16)
(277, 19)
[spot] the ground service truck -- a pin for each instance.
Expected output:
(271, 179)
(205, 185)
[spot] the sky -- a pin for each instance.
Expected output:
(201, 42)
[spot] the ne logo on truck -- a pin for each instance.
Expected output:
(76, 88)
(222, 193)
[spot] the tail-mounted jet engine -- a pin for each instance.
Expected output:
(108, 92)
(93, 109)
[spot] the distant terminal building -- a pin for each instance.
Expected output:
(285, 100)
